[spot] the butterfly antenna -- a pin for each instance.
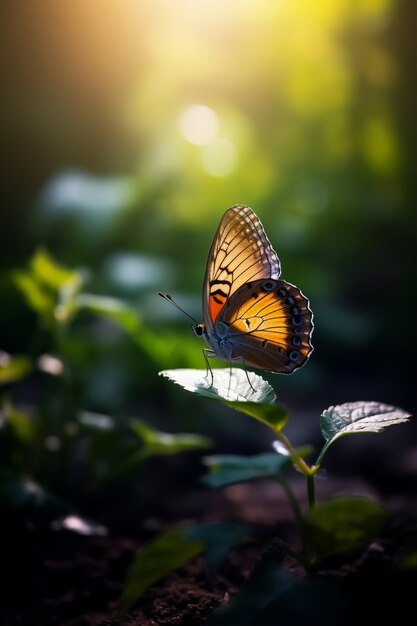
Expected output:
(167, 297)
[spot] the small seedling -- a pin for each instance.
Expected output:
(342, 526)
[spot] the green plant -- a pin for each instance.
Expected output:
(342, 526)
(41, 440)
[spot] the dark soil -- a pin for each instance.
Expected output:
(61, 578)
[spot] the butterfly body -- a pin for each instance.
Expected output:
(250, 314)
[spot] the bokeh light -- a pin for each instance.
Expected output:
(199, 124)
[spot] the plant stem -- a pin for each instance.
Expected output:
(311, 489)
(297, 459)
(293, 502)
(309, 471)
(324, 450)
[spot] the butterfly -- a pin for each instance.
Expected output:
(250, 314)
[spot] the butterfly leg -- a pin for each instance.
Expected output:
(242, 360)
(209, 353)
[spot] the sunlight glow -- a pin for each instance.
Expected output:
(198, 124)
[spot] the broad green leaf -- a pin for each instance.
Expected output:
(165, 554)
(218, 538)
(46, 270)
(228, 469)
(117, 311)
(228, 384)
(354, 417)
(358, 417)
(273, 415)
(158, 442)
(38, 298)
(244, 391)
(273, 596)
(344, 525)
(13, 368)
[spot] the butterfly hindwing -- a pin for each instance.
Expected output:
(269, 325)
(240, 253)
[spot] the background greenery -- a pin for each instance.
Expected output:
(307, 117)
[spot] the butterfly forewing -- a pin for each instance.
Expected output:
(240, 253)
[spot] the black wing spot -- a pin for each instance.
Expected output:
(247, 322)
(218, 292)
(263, 344)
(268, 285)
(220, 282)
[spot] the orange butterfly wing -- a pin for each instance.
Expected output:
(269, 325)
(240, 253)
(249, 313)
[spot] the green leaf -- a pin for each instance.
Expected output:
(37, 297)
(273, 415)
(174, 549)
(46, 270)
(13, 368)
(158, 442)
(343, 526)
(358, 417)
(273, 596)
(166, 553)
(218, 538)
(48, 287)
(228, 469)
(229, 384)
(244, 391)
(113, 309)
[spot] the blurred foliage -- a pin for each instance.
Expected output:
(344, 526)
(40, 442)
(128, 128)
(174, 549)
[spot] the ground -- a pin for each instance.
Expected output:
(60, 578)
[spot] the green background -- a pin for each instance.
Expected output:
(310, 122)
